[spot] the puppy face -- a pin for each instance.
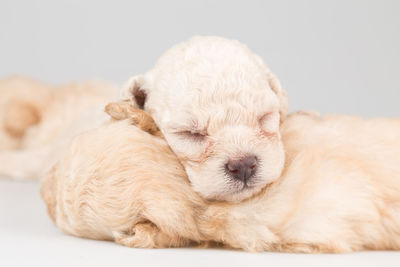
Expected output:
(219, 107)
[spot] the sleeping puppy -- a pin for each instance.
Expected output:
(215, 101)
(338, 192)
(118, 182)
(123, 183)
(219, 108)
(37, 120)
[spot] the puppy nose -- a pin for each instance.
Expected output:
(242, 169)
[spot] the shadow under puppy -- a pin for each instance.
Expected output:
(121, 183)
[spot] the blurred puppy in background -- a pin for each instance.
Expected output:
(37, 120)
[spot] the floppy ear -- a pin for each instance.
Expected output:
(119, 110)
(133, 91)
(138, 117)
(276, 86)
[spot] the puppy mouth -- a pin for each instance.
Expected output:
(238, 187)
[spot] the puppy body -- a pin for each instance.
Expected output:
(37, 120)
(120, 183)
(339, 191)
(335, 188)
(340, 188)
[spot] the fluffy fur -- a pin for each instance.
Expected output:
(37, 120)
(335, 187)
(216, 101)
(106, 187)
(339, 191)
(213, 99)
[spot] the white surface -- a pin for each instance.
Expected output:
(28, 238)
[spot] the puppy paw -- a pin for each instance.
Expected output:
(148, 235)
(141, 235)
(257, 241)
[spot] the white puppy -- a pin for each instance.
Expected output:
(219, 108)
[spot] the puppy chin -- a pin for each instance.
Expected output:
(222, 188)
(238, 195)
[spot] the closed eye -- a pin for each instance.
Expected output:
(193, 135)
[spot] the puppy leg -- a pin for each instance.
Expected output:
(148, 235)
(226, 224)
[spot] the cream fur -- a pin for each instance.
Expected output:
(217, 88)
(106, 187)
(339, 191)
(335, 187)
(37, 120)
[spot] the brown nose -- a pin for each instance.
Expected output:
(242, 169)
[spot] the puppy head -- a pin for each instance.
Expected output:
(219, 107)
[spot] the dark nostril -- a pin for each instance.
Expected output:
(242, 169)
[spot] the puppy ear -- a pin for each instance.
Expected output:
(119, 110)
(133, 91)
(138, 117)
(276, 86)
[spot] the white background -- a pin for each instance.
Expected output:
(332, 56)
(338, 56)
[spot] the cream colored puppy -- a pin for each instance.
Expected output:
(219, 107)
(339, 190)
(37, 120)
(117, 182)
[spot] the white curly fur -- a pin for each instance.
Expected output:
(219, 88)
